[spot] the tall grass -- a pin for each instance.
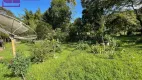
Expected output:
(78, 64)
(69, 65)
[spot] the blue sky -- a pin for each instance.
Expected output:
(43, 5)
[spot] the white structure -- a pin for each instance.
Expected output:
(15, 29)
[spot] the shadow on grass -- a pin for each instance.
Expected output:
(9, 75)
(132, 38)
(128, 46)
(139, 46)
(132, 46)
(13, 76)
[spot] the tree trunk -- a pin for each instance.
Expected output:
(23, 76)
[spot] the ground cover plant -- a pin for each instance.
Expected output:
(78, 64)
(19, 65)
(44, 50)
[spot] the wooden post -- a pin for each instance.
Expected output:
(13, 47)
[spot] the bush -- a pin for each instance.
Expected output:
(82, 46)
(111, 41)
(44, 30)
(60, 35)
(100, 49)
(44, 50)
(19, 65)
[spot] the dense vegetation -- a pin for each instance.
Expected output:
(104, 44)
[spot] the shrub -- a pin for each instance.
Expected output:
(113, 44)
(44, 30)
(60, 35)
(19, 65)
(82, 46)
(44, 50)
(119, 43)
(97, 49)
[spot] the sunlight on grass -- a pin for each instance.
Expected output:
(73, 64)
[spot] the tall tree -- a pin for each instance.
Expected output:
(58, 14)
(136, 6)
(124, 21)
(31, 18)
(43, 30)
(95, 13)
(95, 9)
(37, 15)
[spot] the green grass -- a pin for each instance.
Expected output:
(71, 64)
(21, 48)
(84, 66)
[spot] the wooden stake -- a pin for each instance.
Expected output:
(13, 47)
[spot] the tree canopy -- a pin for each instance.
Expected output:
(58, 14)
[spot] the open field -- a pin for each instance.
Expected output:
(72, 64)
(71, 40)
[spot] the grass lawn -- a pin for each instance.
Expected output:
(22, 48)
(71, 64)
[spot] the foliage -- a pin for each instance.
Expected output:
(44, 50)
(44, 31)
(99, 66)
(81, 65)
(97, 12)
(31, 18)
(76, 30)
(94, 9)
(19, 65)
(82, 46)
(122, 22)
(134, 4)
(109, 46)
(97, 49)
(113, 59)
(59, 35)
(58, 14)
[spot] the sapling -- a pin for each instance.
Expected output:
(19, 65)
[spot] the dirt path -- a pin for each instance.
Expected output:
(1, 58)
(1, 49)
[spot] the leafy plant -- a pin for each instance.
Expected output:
(82, 46)
(44, 31)
(97, 49)
(19, 65)
(60, 35)
(45, 49)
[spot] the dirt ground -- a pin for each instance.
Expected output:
(1, 49)
(1, 58)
